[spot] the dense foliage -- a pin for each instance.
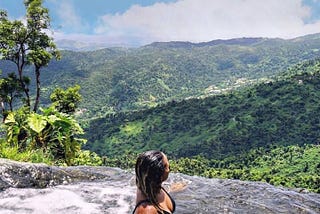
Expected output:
(118, 79)
(291, 166)
(246, 133)
(66, 101)
(52, 132)
(26, 44)
(52, 136)
(283, 112)
(261, 129)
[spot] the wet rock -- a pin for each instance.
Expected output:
(93, 190)
(23, 175)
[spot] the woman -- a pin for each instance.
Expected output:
(152, 168)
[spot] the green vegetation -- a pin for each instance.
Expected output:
(14, 153)
(53, 132)
(283, 112)
(25, 44)
(133, 79)
(52, 136)
(291, 166)
(66, 101)
(116, 79)
(265, 132)
(217, 109)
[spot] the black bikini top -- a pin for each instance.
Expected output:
(164, 211)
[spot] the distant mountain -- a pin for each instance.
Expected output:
(78, 46)
(72, 45)
(245, 41)
(309, 37)
(179, 44)
(125, 79)
(276, 113)
(116, 79)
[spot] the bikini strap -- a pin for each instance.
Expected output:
(172, 200)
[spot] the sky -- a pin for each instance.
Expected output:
(140, 22)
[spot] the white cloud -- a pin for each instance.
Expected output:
(204, 20)
(71, 20)
(104, 40)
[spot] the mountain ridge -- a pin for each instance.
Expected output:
(129, 79)
(73, 45)
(281, 112)
(124, 79)
(236, 41)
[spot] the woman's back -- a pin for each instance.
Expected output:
(152, 168)
(166, 202)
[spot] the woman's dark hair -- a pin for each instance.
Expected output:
(149, 174)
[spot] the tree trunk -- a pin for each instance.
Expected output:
(3, 111)
(20, 70)
(36, 103)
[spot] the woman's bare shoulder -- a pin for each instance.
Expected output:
(146, 209)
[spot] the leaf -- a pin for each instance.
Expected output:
(10, 118)
(52, 119)
(36, 123)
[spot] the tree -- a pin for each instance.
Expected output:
(13, 47)
(42, 47)
(66, 101)
(54, 133)
(9, 90)
(25, 44)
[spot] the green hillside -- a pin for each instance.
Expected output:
(126, 79)
(119, 79)
(283, 112)
(290, 166)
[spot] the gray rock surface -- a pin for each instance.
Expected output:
(38, 188)
(23, 175)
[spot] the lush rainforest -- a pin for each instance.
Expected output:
(289, 166)
(228, 108)
(120, 79)
(279, 112)
(115, 80)
(243, 108)
(263, 132)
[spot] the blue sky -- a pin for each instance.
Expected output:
(139, 22)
